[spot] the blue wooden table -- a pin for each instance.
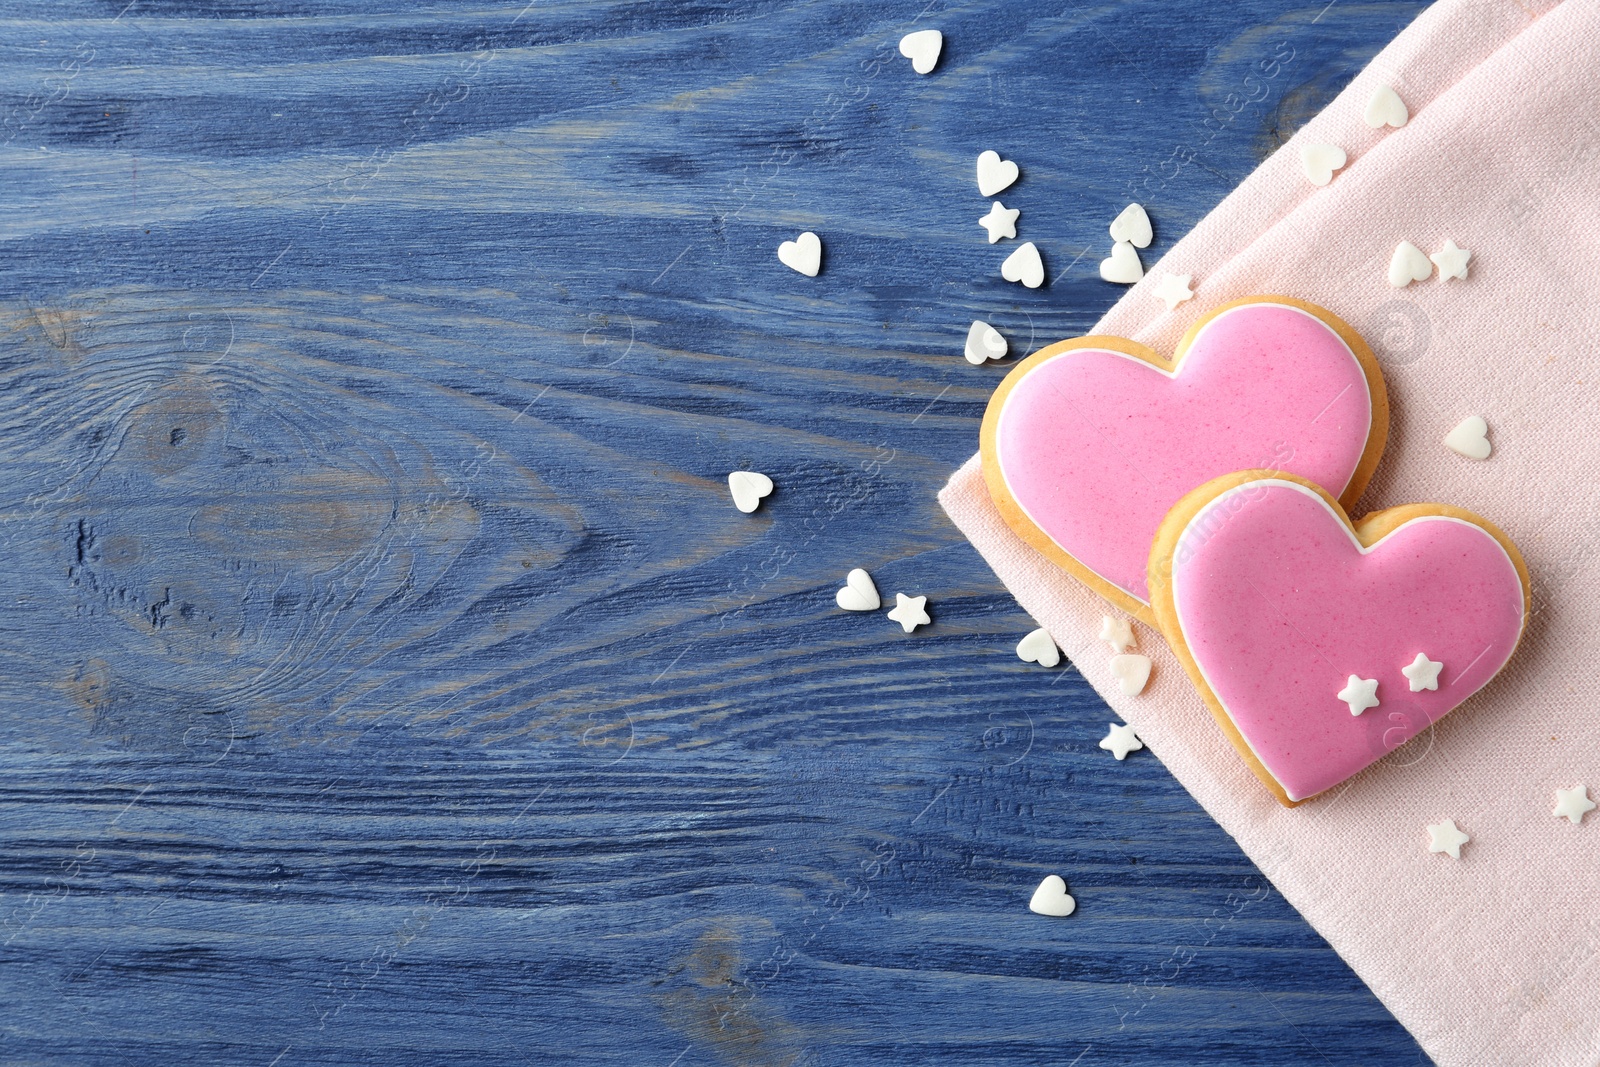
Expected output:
(386, 676)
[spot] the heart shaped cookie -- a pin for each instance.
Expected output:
(1089, 442)
(1307, 635)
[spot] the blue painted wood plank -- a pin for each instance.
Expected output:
(387, 678)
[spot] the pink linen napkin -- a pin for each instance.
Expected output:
(1493, 959)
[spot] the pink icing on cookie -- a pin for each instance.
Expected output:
(1095, 445)
(1279, 605)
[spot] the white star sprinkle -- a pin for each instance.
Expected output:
(908, 611)
(1001, 221)
(1117, 633)
(1422, 674)
(1446, 837)
(1360, 694)
(1121, 741)
(1174, 289)
(1451, 261)
(1573, 804)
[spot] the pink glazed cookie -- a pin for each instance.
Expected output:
(1089, 442)
(1321, 646)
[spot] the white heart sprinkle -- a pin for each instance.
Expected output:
(1039, 647)
(984, 342)
(1386, 108)
(1408, 265)
(859, 592)
(1122, 266)
(922, 48)
(748, 487)
(994, 173)
(1133, 226)
(1024, 265)
(1052, 899)
(1470, 438)
(1132, 670)
(803, 254)
(1319, 161)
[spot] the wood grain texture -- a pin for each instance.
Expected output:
(387, 677)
